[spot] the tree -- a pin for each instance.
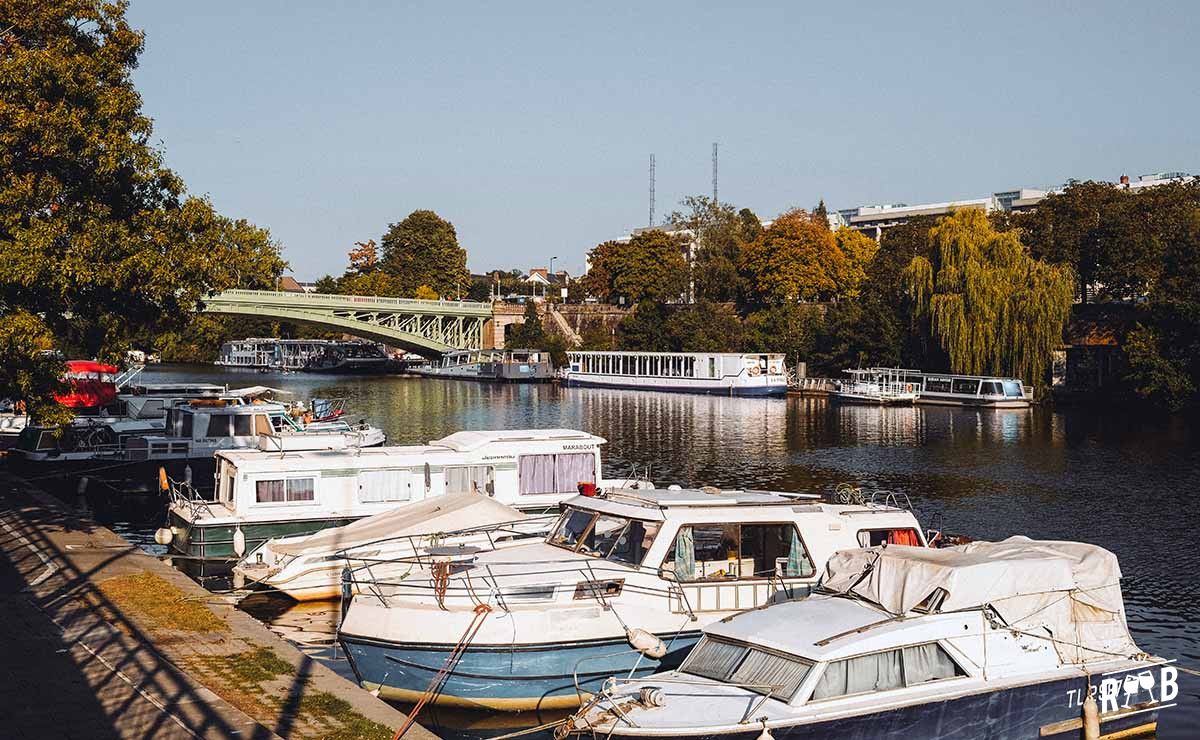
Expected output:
(717, 233)
(993, 307)
(651, 266)
(858, 251)
(1153, 374)
(821, 213)
(529, 334)
(790, 328)
(364, 257)
(425, 293)
(595, 336)
(101, 242)
(644, 329)
(423, 250)
(705, 326)
(795, 259)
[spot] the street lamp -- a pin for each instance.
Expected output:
(549, 275)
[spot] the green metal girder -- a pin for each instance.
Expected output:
(428, 328)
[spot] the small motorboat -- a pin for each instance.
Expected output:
(1011, 639)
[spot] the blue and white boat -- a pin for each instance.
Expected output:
(622, 585)
(723, 373)
(1012, 639)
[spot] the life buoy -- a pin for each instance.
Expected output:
(908, 388)
(756, 370)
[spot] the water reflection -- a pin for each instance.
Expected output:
(1106, 477)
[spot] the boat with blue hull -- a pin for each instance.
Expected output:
(720, 373)
(1004, 640)
(622, 585)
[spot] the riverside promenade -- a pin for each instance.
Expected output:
(101, 640)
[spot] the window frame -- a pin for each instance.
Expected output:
(747, 649)
(670, 553)
(286, 480)
(904, 684)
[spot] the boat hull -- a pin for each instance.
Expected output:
(678, 385)
(205, 541)
(505, 677)
(1038, 710)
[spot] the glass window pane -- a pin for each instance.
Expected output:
(572, 524)
(774, 549)
(928, 662)
(458, 479)
(604, 535)
(301, 489)
(269, 491)
(713, 659)
(875, 672)
(535, 474)
(781, 674)
(635, 542)
(243, 425)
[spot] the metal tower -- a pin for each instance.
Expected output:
(651, 190)
(715, 201)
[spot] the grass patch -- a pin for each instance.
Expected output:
(257, 666)
(160, 604)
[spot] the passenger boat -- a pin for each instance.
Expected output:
(724, 373)
(875, 386)
(1012, 639)
(293, 491)
(498, 365)
(621, 586)
(986, 391)
(357, 358)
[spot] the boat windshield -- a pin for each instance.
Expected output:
(616, 538)
(1012, 389)
(764, 671)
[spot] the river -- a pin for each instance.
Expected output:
(1103, 476)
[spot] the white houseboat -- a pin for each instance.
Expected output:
(1013, 639)
(985, 391)
(498, 365)
(631, 569)
(290, 492)
(723, 373)
(875, 386)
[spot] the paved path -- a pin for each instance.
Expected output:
(75, 663)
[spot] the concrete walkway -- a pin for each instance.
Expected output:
(104, 641)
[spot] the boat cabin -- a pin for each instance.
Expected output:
(966, 390)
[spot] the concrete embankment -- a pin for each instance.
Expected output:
(102, 640)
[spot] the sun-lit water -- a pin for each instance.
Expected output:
(1100, 476)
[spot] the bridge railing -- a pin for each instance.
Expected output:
(358, 300)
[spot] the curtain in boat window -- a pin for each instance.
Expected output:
(799, 564)
(713, 659)
(572, 469)
(262, 424)
(928, 662)
(269, 492)
(470, 479)
(375, 486)
(301, 489)
(763, 672)
(536, 473)
(685, 555)
(874, 672)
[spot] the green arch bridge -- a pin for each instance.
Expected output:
(428, 328)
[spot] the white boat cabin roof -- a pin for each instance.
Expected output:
(772, 355)
(658, 504)
(366, 458)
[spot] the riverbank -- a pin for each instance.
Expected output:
(106, 641)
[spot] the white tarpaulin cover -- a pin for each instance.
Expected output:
(448, 513)
(1070, 589)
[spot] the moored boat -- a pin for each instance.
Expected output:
(980, 391)
(875, 386)
(496, 365)
(1012, 639)
(621, 586)
(723, 373)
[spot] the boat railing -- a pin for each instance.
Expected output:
(608, 690)
(183, 494)
(850, 495)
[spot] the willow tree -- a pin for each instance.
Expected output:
(993, 307)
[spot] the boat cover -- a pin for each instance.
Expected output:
(447, 513)
(1071, 590)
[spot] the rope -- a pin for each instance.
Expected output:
(452, 659)
(441, 581)
(549, 725)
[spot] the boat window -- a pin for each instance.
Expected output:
(227, 489)
(561, 473)
(712, 367)
(866, 673)
(243, 425)
(966, 386)
(571, 527)
(262, 424)
(471, 479)
(715, 552)
(897, 536)
(938, 385)
(613, 538)
(377, 486)
(631, 547)
(284, 491)
(218, 425)
(1013, 389)
(991, 389)
(606, 530)
(750, 667)
(929, 662)
(185, 429)
(47, 441)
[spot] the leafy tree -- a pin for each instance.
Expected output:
(705, 326)
(821, 213)
(595, 336)
(101, 242)
(425, 293)
(795, 259)
(423, 250)
(859, 333)
(791, 328)
(1154, 375)
(327, 284)
(993, 307)
(364, 257)
(556, 346)
(373, 282)
(718, 233)
(858, 251)
(529, 334)
(644, 329)
(651, 266)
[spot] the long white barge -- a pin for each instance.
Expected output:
(952, 389)
(723, 373)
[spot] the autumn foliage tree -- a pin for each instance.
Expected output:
(796, 258)
(650, 267)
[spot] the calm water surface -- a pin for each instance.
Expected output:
(1126, 483)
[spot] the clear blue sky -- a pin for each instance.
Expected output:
(529, 126)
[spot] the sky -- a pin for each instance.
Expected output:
(529, 126)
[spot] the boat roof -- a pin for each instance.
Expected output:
(678, 354)
(468, 441)
(658, 503)
(923, 373)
